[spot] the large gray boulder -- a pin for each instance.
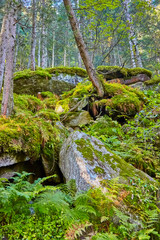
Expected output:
(88, 161)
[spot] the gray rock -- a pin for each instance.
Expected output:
(7, 159)
(77, 119)
(87, 160)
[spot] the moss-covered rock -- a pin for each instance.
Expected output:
(77, 119)
(49, 79)
(153, 81)
(31, 131)
(90, 162)
(112, 72)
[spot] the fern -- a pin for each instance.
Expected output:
(105, 236)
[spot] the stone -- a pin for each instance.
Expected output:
(88, 161)
(57, 84)
(132, 80)
(77, 119)
(12, 163)
(7, 159)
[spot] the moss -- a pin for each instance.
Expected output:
(31, 129)
(85, 148)
(121, 100)
(28, 73)
(99, 170)
(91, 154)
(68, 70)
(111, 72)
(154, 80)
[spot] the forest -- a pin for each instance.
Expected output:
(79, 120)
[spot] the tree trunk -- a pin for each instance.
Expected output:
(132, 38)
(39, 52)
(65, 57)
(3, 45)
(33, 38)
(82, 49)
(53, 50)
(7, 101)
(44, 39)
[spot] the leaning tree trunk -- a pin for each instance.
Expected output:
(33, 39)
(3, 41)
(7, 101)
(82, 49)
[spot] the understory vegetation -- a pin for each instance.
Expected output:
(34, 211)
(127, 121)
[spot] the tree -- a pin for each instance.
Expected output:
(3, 38)
(33, 39)
(7, 101)
(82, 49)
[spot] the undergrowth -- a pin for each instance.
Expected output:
(35, 211)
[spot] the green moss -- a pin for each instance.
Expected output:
(111, 72)
(154, 80)
(68, 70)
(121, 168)
(99, 170)
(31, 129)
(28, 73)
(85, 148)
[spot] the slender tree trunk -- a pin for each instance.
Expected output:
(39, 52)
(3, 45)
(65, 57)
(33, 38)
(82, 48)
(132, 53)
(53, 50)
(44, 39)
(7, 101)
(132, 38)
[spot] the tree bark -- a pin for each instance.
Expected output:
(132, 38)
(53, 49)
(7, 101)
(82, 49)
(44, 38)
(33, 39)
(3, 45)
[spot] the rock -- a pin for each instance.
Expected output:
(77, 119)
(87, 160)
(56, 84)
(132, 80)
(7, 159)
(11, 163)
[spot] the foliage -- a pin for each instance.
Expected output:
(137, 141)
(36, 211)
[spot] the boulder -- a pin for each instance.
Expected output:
(88, 161)
(11, 163)
(77, 119)
(140, 78)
